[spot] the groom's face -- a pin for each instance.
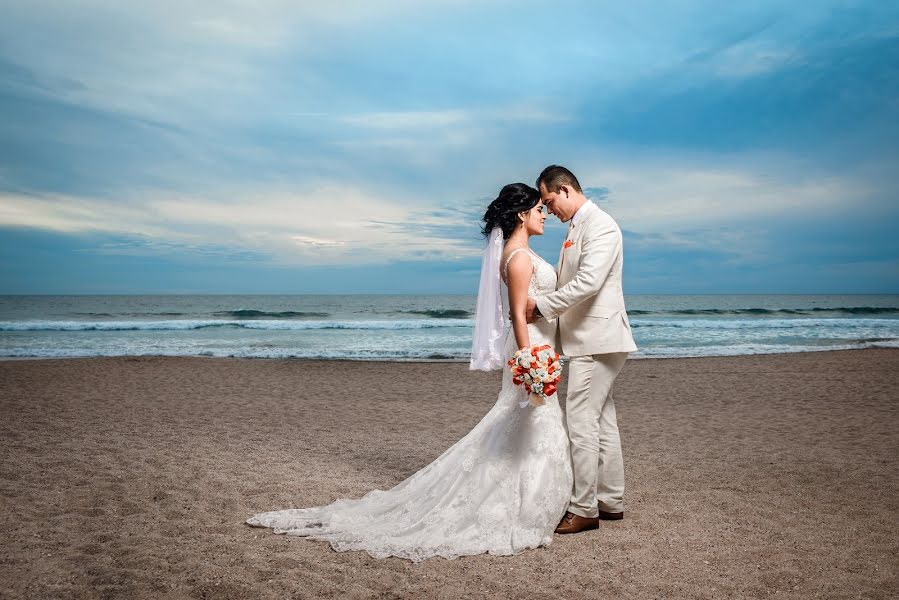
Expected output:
(558, 203)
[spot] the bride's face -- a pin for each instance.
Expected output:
(534, 219)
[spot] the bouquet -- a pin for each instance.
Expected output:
(538, 369)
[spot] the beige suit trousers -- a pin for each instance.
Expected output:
(593, 432)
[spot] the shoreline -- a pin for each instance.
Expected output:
(450, 361)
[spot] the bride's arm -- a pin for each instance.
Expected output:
(519, 276)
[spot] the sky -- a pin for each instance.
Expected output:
(294, 147)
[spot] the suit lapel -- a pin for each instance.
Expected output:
(575, 236)
(562, 253)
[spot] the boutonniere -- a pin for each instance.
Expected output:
(568, 244)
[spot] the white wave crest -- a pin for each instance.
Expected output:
(189, 324)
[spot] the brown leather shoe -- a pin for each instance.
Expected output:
(607, 516)
(572, 523)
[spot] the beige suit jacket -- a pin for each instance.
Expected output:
(589, 300)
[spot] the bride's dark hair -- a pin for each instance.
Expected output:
(503, 212)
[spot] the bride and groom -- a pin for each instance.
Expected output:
(520, 474)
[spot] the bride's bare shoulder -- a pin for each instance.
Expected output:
(517, 262)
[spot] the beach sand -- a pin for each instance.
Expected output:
(746, 477)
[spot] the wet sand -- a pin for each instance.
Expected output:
(747, 477)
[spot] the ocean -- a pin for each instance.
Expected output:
(379, 327)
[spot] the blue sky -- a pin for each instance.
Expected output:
(290, 147)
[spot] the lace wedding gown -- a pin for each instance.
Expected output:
(500, 489)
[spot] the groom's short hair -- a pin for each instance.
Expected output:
(555, 176)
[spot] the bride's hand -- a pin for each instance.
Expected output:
(536, 400)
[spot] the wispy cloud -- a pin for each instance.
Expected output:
(404, 120)
(651, 196)
(304, 240)
(328, 225)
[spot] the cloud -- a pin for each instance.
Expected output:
(820, 93)
(326, 225)
(72, 214)
(596, 193)
(408, 120)
(653, 195)
(136, 246)
(315, 242)
(415, 120)
(375, 133)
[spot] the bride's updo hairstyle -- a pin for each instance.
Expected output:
(503, 212)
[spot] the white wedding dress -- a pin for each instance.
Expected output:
(501, 489)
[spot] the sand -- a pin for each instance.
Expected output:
(747, 477)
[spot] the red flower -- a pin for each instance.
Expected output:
(568, 244)
(549, 389)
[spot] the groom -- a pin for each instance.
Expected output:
(596, 336)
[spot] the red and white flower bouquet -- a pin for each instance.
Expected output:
(538, 369)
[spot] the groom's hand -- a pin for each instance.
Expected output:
(531, 313)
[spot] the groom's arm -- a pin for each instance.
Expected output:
(599, 251)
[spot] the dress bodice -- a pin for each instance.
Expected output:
(543, 281)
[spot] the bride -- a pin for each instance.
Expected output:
(504, 486)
